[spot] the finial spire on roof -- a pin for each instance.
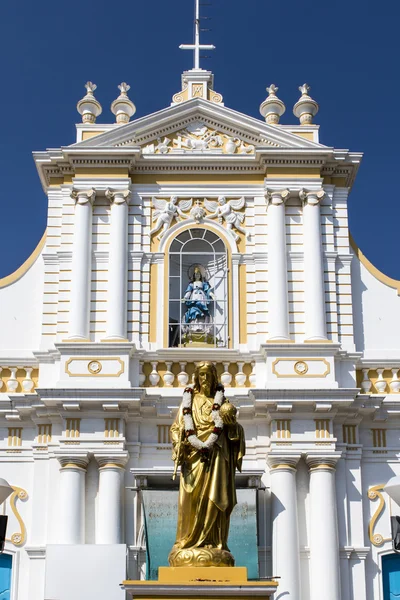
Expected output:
(306, 108)
(272, 108)
(123, 108)
(197, 46)
(88, 106)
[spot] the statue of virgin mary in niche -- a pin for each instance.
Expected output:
(198, 326)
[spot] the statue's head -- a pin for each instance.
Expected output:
(197, 276)
(174, 199)
(222, 200)
(206, 379)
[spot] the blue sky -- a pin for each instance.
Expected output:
(347, 51)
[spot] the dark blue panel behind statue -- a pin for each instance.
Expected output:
(161, 512)
(5, 576)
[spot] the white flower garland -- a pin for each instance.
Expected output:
(189, 424)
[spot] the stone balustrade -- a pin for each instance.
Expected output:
(18, 380)
(179, 374)
(379, 380)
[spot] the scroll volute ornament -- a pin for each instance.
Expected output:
(312, 198)
(83, 196)
(276, 197)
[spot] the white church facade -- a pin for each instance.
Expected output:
(198, 233)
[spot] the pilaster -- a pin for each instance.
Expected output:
(278, 307)
(118, 265)
(313, 266)
(81, 264)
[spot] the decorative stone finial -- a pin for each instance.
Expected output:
(123, 108)
(272, 108)
(89, 107)
(306, 108)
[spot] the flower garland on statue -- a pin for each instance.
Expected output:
(190, 431)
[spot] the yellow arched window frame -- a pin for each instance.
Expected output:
(159, 331)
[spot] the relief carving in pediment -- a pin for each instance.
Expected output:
(198, 137)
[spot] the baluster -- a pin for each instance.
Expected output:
(1, 381)
(395, 383)
(154, 376)
(240, 377)
(27, 383)
(226, 377)
(380, 383)
(183, 377)
(169, 377)
(12, 383)
(142, 376)
(366, 383)
(253, 376)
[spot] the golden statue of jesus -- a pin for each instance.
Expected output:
(208, 444)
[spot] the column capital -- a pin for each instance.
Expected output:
(276, 197)
(83, 196)
(73, 461)
(312, 197)
(283, 462)
(118, 196)
(112, 461)
(319, 462)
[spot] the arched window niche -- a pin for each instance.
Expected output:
(198, 290)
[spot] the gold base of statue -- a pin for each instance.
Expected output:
(214, 583)
(200, 557)
(198, 339)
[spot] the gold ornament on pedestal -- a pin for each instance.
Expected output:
(208, 444)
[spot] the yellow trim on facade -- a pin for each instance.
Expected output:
(242, 305)
(153, 302)
(287, 172)
(102, 172)
(307, 135)
(337, 181)
(385, 279)
(194, 179)
(93, 359)
(305, 374)
(14, 277)
(87, 135)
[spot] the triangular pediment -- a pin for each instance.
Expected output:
(198, 126)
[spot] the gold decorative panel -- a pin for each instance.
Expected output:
(19, 538)
(301, 368)
(375, 493)
(94, 367)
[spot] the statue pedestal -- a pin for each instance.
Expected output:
(196, 583)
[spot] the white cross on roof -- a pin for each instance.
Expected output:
(196, 47)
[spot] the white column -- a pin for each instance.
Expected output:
(118, 265)
(79, 324)
(277, 266)
(285, 537)
(109, 514)
(314, 290)
(72, 500)
(324, 543)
